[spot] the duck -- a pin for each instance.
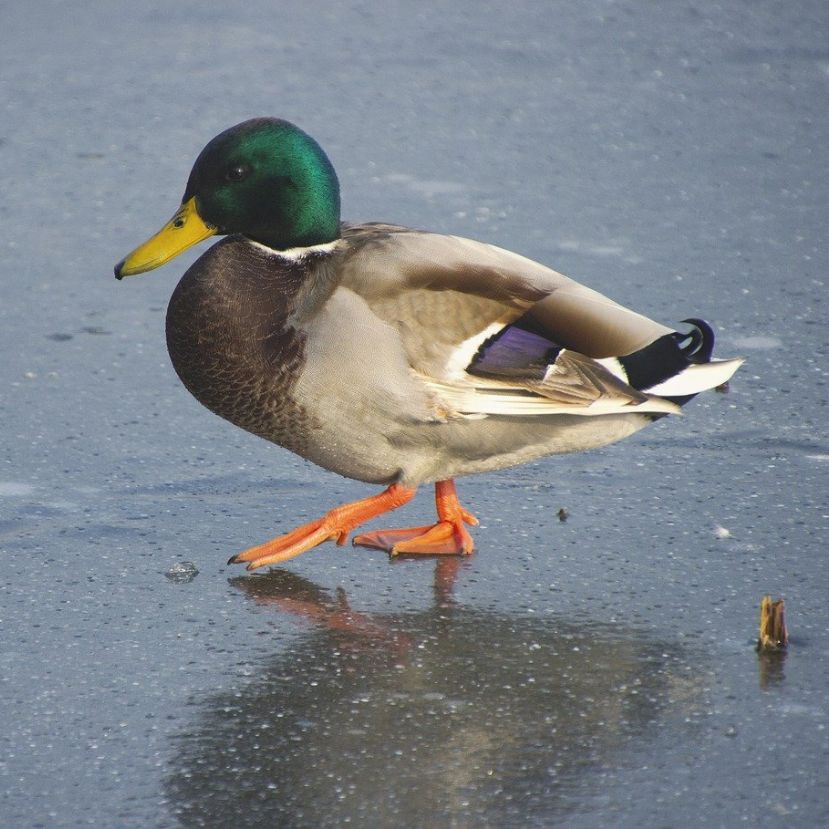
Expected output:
(390, 355)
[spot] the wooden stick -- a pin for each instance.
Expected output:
(773, 633)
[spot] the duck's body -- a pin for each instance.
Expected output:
(400, 357)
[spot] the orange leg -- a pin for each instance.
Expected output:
(336, 523)
(448, 536)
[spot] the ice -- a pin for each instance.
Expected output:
(15, 489)
(758, 342)
(182, 572)
(675, 161)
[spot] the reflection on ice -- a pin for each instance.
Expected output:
(452, 716)
(15, 489)
(759, 342)
(771, 666)
(427, 188)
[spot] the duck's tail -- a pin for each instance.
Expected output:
(677, 366)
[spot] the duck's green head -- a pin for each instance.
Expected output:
(265, 179)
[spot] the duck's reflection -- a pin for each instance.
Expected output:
(449, 717)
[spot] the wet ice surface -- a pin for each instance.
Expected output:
(182, 572)
(597, 671)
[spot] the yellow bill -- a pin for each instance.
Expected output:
(183, 231)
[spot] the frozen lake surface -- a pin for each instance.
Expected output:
(596, 671)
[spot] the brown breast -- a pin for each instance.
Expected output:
(231, 344)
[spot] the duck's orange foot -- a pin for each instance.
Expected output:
(448, 536)
(442, 539)
(335, 524)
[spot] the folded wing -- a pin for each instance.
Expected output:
(491, 332)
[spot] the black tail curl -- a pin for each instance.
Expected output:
(697, 344)
(669, 355)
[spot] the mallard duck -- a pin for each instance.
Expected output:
(390, 355)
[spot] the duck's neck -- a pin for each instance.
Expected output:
(295, 254)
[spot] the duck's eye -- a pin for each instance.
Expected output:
(237, 172)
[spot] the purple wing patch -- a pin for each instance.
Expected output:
(514, 352)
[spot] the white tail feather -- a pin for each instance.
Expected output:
(697, 378)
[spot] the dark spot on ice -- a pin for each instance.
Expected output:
(59, 338)
(93, 329)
